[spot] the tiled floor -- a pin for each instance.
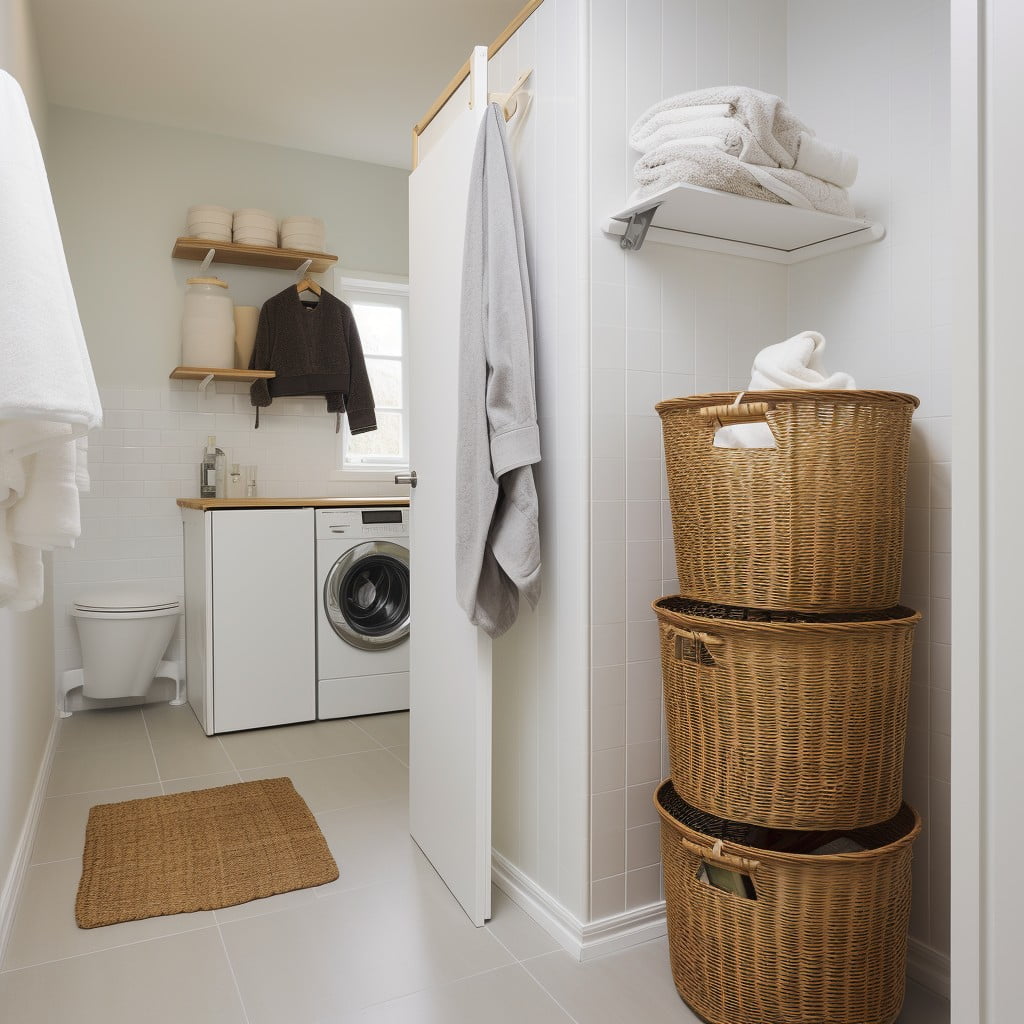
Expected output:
(384, 944)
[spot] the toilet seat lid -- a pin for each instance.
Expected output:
(132, 597)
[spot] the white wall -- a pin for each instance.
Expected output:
(26, 639)
(665, 322)
(20, 58)
(121, 189)
(874, 76)
(540, 676)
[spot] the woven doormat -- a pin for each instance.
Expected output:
(201, 850)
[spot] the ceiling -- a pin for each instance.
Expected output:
(343, 77)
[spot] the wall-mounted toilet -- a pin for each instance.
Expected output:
(124, 631)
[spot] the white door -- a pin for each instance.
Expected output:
(450, 660)
(264, 618)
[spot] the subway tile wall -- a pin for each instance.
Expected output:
(665, 321)
(147, 456)
(874, 76)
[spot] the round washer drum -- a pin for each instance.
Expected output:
(366, 595)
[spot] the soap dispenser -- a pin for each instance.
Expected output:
(208, 470)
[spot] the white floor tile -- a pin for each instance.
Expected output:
(342, 781)
(182, 978)
(505, 996)
(516, 930)
(261, 747)
(102, 728)
(45, 928)
(353, 949)
(61, 831)
(84, 769)
(390, 730)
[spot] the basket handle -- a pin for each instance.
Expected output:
(716, 856)
(697, 637)
(745, 412)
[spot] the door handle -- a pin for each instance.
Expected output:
(406, 478)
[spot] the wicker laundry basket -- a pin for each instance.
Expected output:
(809, 939)
(814, 524)
(785, 720)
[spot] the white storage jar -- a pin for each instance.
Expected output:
(208, 324)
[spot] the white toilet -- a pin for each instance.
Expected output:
(124, 631)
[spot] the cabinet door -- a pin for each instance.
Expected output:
(264, 610)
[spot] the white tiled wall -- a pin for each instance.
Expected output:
(147, 456)
(874, 76)
(665, 322)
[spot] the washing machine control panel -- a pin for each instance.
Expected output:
(356, 523)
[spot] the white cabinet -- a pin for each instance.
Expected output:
(250, 617)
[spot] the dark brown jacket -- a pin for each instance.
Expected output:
(314, 351)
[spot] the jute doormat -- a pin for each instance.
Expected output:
(201, 850)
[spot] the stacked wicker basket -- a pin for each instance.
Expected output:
(786, 664)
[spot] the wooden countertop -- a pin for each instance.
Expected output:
(208, 504)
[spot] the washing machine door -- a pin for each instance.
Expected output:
(366, 595)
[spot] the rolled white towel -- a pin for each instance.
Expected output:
(793, 364)
(82, 465)
(826, 161)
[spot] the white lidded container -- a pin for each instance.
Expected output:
(208, 324)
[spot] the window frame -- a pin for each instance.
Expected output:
(380, 288)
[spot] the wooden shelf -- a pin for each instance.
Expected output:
(703, 218)
(219, 373)
(251, 255)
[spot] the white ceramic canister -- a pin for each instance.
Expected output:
(208, 324)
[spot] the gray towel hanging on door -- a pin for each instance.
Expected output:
(497, 528)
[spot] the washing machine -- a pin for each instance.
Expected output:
(362, 574)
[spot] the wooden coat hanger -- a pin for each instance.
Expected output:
(306, 283)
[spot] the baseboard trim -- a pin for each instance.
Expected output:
(583, 941)
(928, 967)
(23, 850)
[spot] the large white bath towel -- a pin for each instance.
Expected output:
(497, 525)
(793, 364)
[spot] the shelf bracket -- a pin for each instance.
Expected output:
(205, 383)
(636, 230)
(206, 263)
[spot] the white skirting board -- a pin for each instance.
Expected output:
(583, 941)
(23, 850)
(928, 967)
(925, 965)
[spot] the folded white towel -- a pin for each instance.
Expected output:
(775, 131)
(793, 364)
(48, 516)
(82, 465)
(684, 163)
(654, 128)
(827, 161)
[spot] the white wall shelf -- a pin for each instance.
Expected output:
(702, 218)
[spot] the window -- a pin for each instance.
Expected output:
(381, 310)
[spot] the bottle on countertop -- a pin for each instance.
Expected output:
(208, 470)
(235, 486)
(221, 472)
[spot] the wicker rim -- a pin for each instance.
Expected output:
(905, 617)
(783, 394)
(748, 858)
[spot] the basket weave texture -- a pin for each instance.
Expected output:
(824, 942)
(814, 524)
(783, 723)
